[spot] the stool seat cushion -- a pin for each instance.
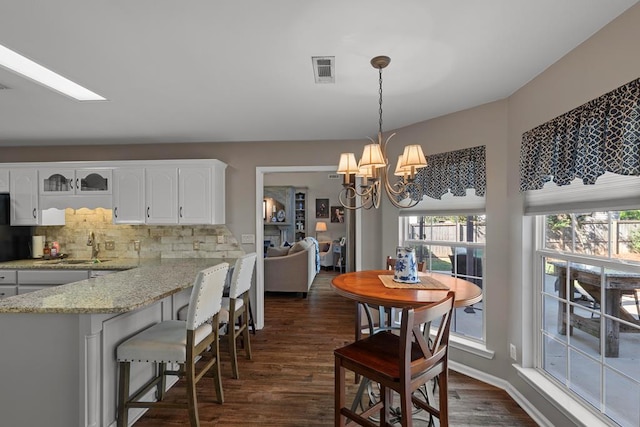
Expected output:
(223, 315)
(163, 342)
(226, 303)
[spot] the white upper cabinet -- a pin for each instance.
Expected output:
(128, 196)
(93, 181)
(181, 194)
(58, 182)
(161, 194)
(24, 197)
(165, 192)
(194, 193)
(4, 180)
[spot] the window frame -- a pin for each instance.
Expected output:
(540, 254)
(466, 342)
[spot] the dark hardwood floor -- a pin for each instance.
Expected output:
(289, 382)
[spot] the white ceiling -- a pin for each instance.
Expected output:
(206, 70)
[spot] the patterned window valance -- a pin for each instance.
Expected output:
(455, 171)
(600, 136)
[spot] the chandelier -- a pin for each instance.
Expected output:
(373, 168)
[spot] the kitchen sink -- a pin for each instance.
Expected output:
(82, 261)
(74, 261)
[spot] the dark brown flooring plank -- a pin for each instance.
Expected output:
(289, 382)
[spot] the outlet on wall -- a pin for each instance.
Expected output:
(196, 245)
(512, 351)
(248, 238)
(109, 245)
(221, 239)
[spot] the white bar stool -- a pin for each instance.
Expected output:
(175, 341)
(237, 307)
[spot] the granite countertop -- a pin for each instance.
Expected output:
(119, 292)
(76, 264)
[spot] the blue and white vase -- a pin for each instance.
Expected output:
(406, 266)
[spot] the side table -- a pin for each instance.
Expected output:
(338, 256)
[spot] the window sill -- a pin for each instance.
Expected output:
(571, 407)
(470, 346)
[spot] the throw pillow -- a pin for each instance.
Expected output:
(275, 252)
(298, 247)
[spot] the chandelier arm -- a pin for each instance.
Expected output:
(402, 191)
(370, 196)
(384, 146)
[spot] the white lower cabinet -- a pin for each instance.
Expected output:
(18, 282)
(8, 283)
(8, 291)
(34, 280)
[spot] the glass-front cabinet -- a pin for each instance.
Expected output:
(74, 181)
(301, 213)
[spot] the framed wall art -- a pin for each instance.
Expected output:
(322, 208)
(337, 213)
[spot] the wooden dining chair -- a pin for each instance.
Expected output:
(378, 317)
(179, 342)
(401, 363)
(236, 308)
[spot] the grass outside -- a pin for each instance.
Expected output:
(437, 264)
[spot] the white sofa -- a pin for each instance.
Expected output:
(292, 269)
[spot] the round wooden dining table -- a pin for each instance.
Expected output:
(366, 287)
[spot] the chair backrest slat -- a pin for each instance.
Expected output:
(206, 295)
(415, 332)
(242, 275)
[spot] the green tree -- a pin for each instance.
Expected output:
(630, 215)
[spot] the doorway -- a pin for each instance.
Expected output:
(259, 209)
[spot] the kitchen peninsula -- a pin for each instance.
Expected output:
(58, 344)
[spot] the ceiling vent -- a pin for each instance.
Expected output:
(324, 68)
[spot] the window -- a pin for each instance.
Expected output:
(452, 245)
(589, 308)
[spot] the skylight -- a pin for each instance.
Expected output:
(19, 64)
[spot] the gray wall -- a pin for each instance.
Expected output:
(604, 62)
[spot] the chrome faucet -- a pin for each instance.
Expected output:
(95, 247)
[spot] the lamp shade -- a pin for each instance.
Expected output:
(413, 157)
(347, 164)
(321, 226)
(400, 169)
(372, 156)
(365, 172)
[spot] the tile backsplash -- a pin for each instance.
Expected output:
(156, 241)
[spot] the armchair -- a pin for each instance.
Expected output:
(326, 253)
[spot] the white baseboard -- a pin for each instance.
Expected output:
(531, 410)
